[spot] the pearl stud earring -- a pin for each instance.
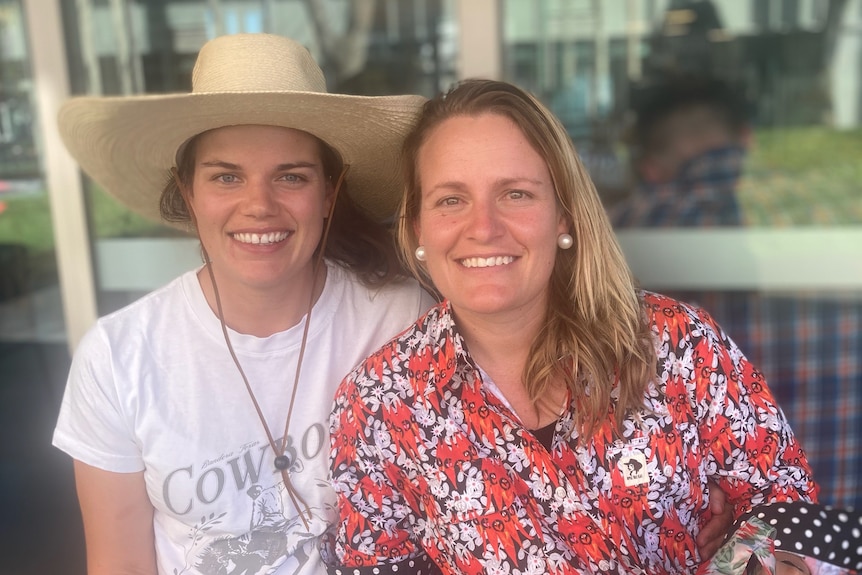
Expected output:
(420, 253)
(565, 241)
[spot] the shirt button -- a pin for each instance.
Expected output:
(560, 492)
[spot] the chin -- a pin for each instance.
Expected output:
(265, 277)
(484, 305)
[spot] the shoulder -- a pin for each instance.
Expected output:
(131, 323)
(396, 304)
(668, 315)
(155, 299)
(661, 308)
(426, 341)
(686, 332)
(386, 385)
(648, 205)
(400, 290)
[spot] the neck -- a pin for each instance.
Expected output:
(262, 311)
(501, 346)
(498, 344)
(501, 338)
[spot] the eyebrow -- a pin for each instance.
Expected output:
(507, 181)
(457, 185)
(281, 167)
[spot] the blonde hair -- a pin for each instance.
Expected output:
(595, 315)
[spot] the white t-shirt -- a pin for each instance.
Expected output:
(152, 387)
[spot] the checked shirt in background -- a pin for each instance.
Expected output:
(702, 195)
(808, 345)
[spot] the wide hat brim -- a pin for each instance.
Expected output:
(128, 144)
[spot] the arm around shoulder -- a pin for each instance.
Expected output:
(118, 521)
(756, 458)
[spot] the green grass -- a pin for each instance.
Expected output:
(804, 177)
(27, 220)
(110, 219)
(798, 150)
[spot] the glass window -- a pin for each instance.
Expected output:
(790, 71)
(30, 308)
(724, 137)
(34, 357)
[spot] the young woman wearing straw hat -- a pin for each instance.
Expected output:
(197, 416)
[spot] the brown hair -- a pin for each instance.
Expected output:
(356, 241)
(594, 315)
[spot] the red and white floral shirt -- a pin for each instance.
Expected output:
(431, 468)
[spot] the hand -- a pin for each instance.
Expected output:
(790, 564)
(712, 535)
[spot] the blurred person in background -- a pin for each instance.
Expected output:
(688, 148)
(690, 140)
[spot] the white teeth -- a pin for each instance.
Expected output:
(487, 262)
(270, 238)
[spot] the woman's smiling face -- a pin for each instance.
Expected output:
(259, 197)
(488, 216)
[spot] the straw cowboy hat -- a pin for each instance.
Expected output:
(128, 144)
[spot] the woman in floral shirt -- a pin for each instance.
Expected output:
(546, 417)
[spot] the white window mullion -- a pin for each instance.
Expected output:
(65, 189)
(480, 40)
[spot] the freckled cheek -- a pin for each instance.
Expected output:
(440, 239)
(433, 226)
(208, 217)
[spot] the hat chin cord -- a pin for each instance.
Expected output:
(282, 462)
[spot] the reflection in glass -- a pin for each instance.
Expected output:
(796, 64)
(30, 309)
(741, 116)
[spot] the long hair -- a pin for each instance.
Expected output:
(594, 316)
(356, 241)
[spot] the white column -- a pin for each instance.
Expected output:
(65, 190)
(844, 69)
(88, 47)
(602, 65)
(480, 39)
(636, 26)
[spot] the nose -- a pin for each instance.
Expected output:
(259, 199)
(485, 222)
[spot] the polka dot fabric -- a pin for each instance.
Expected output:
(828, 534)
(418, 566)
